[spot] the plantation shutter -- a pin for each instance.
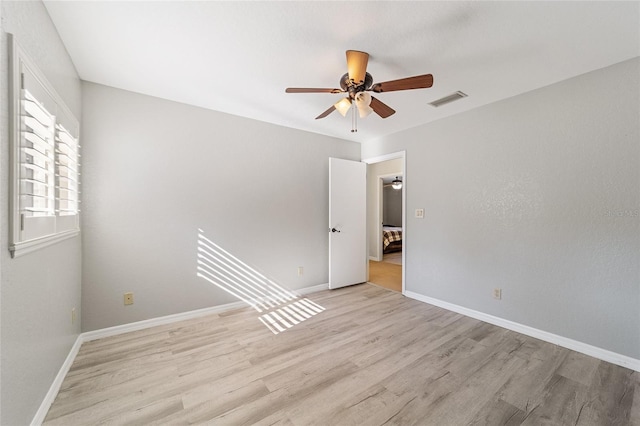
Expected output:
(67, 173)
(45, 165)
(37, 160)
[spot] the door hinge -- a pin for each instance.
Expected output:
(22, 221)
(22, 80)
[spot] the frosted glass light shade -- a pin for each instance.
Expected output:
(396, 184)
(343, 106)
(363, 99)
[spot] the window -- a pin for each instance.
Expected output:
(44, 161)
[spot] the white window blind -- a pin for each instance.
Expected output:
(67, 177)
(37, 171)
(45, 161)
(67, 172)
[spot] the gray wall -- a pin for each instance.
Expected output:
(38, 290)
(539, 195)
(156, 171)
(392, 206)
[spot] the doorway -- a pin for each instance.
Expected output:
(386, 220)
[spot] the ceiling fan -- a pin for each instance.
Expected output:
(395, 184)
(357, 82)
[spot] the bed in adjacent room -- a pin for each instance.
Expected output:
(391, 239)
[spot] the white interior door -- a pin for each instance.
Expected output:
(347, 222)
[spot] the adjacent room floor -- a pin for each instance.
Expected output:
(388, 272)
(369, 356)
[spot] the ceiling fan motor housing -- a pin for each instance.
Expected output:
(352, 88)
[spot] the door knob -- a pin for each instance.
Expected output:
(334, 230)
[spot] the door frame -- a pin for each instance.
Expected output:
(380, 159)
(380, 193)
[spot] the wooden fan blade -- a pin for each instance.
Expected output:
(311, 90)
(380, 108)
(327, 112)
(357, 65)
(418, 82)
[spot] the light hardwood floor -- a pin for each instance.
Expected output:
(372, 357)
(386, 275)
(395, 258)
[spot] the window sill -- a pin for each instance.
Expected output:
(25, 247)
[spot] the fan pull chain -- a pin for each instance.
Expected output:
(354, 119)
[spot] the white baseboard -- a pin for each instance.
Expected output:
(134, 326)
(153, 322)
(313, 289)
(168, 319)
(594, 351)
(57, 382)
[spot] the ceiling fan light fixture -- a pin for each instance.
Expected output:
(365, 111)
(343, 106)
(396, 183)
(363, 100)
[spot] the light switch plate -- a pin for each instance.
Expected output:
(420, 213)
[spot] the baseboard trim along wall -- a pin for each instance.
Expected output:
(88, 336)
(594, 351)
(153, 322)
(57, 383)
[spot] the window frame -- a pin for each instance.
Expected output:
(19, 243)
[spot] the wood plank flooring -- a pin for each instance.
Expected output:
(372, 357)
(385, 274)
(395, 258)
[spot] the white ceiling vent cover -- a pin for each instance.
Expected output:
(448, 99)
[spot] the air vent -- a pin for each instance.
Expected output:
(447, 99)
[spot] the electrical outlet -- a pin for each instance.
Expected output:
(300, 271)
(73, 316)
(497, 293)
(128, 298)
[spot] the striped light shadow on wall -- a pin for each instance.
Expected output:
(281, 309)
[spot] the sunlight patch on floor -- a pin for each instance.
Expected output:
(281, 309)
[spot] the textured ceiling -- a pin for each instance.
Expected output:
(238, 57)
